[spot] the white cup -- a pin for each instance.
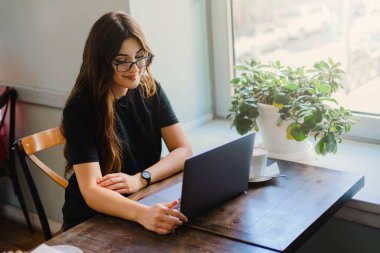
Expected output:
(258, 162)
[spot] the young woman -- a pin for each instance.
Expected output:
(113, 122)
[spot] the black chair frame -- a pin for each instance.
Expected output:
(8, 100)
(26, 148)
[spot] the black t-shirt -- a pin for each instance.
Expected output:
(138, 126)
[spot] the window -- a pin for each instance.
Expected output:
(301, 32)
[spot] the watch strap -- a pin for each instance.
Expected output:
(146, 176)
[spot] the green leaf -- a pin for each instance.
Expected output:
(289, 129)
(330, 100)
(292, 86)
(241, 67)
(320, 147)
(326, 144)
(235, 80)
(331, 145)
(347, 128)
(323, 64)
(309, 123)
(324, 88)
(296, 132)
(309, 91)
(243, 125)
(317, 65)
(317, 116)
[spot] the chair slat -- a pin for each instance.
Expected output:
(42, 140)
(53, 175)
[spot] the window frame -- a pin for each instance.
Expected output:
(366, 129)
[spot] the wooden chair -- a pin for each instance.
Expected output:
(7, 167)
(26, 148)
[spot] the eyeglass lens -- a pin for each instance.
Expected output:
(126, 66)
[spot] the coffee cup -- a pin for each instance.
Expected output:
(258, 162)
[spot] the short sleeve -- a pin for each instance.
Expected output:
(79, 133)
(166, 115)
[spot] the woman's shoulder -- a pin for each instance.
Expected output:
(80, 103)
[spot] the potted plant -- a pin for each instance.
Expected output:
(300, 100)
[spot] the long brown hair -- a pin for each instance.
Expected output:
(96, 77)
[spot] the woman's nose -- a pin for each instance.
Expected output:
(133, 67)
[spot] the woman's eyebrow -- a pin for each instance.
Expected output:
(128, 54)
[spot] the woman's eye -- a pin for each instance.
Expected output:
(121, 60)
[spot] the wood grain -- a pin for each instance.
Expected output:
(274, 216)
(42, 140)
(108, 234)
(283, 213)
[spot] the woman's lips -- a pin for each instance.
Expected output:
(132, 77)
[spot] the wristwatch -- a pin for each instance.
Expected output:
(146, 176)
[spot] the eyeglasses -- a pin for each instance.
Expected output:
(125, 66)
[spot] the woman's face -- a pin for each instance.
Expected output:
(127, 72)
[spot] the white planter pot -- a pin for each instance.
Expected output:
(274, 137)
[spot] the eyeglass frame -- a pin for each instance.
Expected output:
(149, 58)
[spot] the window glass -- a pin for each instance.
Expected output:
(302, 32)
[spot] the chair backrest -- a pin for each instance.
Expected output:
(31, 144)
(26, 148)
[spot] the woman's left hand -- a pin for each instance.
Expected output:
(121, 182)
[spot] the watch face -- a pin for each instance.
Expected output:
(145, 174)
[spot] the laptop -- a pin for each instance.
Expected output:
(210, 178)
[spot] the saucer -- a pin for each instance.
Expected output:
(259, 179)
(271, 171)
(67, 248)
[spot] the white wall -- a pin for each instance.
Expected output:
(41, 44)
(41, 41)
(177, 33)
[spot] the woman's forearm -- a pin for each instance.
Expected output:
(170, 164)
(112, 203)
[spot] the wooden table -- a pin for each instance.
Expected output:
(276, 216)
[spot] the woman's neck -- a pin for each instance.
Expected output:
(118, 93)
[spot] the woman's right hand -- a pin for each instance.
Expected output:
(162, 218)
